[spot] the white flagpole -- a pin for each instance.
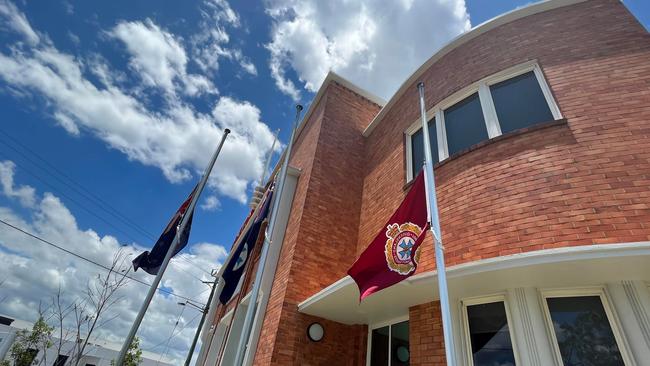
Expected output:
(217, 286)
(170, 252)
(434, 220)
(250, 312)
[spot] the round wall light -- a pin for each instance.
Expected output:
(315, 332)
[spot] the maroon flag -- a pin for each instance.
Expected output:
(394, 253)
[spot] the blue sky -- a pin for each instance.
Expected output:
(128, 100)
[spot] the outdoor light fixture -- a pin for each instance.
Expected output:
(315, 332)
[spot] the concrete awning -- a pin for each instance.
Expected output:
(553, 267)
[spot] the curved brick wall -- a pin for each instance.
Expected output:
(585, 180)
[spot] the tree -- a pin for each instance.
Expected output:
(100, 296)
(133, 354)
(28, 343)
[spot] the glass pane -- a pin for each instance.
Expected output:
(583, 331)
(379, 347)
(417, 147)
(520, 102)
(399, 334)
(465, 124)
(489, 335)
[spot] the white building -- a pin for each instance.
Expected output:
(98, 353)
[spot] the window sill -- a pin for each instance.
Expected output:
(511, 134)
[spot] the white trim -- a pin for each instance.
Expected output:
(640, 314)
(487, 299)
(612, 318)
(395, 320)
(482, 88)
(556, 255)
(546, 90)
(482, 28)
(489, 111)
(531, 348)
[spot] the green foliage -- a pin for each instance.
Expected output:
(133, 355)
(25, 349)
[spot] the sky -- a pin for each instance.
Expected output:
(109, 112)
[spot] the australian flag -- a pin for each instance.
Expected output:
(150, 261)
(235, 268)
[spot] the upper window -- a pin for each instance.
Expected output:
(390, 345)
(417, 147)
(583, 331)
(465, 124)
(510, 100)
(488, 334)
(519, 102)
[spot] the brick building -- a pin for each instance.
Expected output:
(540, 123)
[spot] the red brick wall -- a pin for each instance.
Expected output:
(427, 346)
(585, 182)
(582, 182)
(322, 228)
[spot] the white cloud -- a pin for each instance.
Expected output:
(211, 203)
(211, 43)
(159, 58)
(374, 44)
(32, 271)
(17, 21)
(174, 137)
(24, 194)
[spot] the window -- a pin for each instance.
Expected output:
(583, 330)
(519, 102)
(507, 101)
(465, 124)
(417, 147)
(60, 360)
(389, 345)
(488, 333)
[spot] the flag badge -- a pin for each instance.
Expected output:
(400, 246)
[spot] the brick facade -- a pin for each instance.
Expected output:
(578, 181)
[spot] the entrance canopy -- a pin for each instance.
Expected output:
(561, 267)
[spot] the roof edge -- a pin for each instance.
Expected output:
(334, 77)
(476, 31)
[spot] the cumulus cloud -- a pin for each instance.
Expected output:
(174, 137)
(25, 194)
(211, 203)
(33, 271)
(159, 58)
(212, 42)
(374, 44)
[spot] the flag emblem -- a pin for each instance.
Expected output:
(400, 243)
(242, 258)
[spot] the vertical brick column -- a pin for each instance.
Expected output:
(427, 344)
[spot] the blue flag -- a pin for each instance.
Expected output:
(150, 261)
(235, 268)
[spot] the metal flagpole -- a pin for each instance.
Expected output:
(170, 252)
(250, 312)
(434, 219)
(216, 280)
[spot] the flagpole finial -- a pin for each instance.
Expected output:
(299, 107)
(226, 131)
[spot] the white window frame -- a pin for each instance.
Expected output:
(612, 318)
(482, 87)
(488, 299)
(389, 324)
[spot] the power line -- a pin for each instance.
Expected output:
(34, 236)
(88, 195)
(98, 201)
